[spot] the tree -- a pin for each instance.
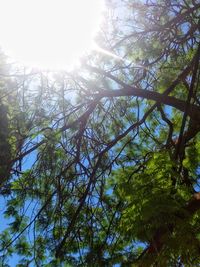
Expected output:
(113, 148)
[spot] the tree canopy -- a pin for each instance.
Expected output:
(100, 166)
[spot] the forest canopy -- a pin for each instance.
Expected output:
(100, 166)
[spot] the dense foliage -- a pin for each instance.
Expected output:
(100, 166)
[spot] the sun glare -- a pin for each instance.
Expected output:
(50, 34)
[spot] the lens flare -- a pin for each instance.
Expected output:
(50, 34)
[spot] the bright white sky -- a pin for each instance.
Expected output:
(50, 34)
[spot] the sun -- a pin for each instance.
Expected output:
(50, 34)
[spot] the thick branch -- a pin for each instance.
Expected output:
(193, 110)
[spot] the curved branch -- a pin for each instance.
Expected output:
(193, 110)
